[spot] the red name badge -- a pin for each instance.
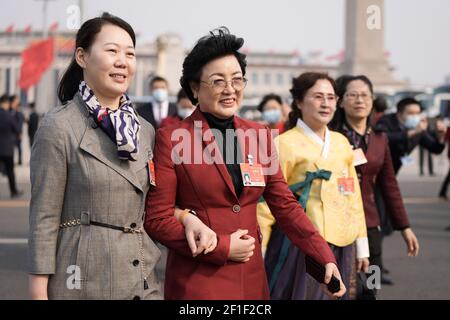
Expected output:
(151, 173)
(252, 175)
(346, 186)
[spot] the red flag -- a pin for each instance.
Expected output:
(27, 29)
(36, 59)
(340, 56)
(54, 27)
(10, 28)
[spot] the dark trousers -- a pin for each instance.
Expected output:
(443, 192)
(425, 153)
(375, 238)
(9, 168)
(19, 149)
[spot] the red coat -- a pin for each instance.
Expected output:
(170, 121)
(208, 189)
(379, 170)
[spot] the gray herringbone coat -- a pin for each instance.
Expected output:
(76, 174)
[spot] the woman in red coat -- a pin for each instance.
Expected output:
(373, 163)
(191, 173)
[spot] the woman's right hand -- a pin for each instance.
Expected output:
(38, 286)
(241, 246)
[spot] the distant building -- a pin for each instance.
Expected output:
(267, 72)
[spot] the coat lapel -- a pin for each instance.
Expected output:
(95, 142)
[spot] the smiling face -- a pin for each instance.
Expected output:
(222, 103)
(358, 100)
(318, 105)
(109, 64)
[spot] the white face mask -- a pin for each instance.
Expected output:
(183, 113)
(412, 121)
(272, 116)
(160, 95)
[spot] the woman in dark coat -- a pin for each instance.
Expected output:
(372, 161)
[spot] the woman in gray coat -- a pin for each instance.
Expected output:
(91, 168)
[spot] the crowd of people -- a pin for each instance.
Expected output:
(109, 181)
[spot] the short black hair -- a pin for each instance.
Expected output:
(380, 104)
(4, 98)
(181, 95)
(267, 98)
(156, 79)
(219, 43)
(402, 104)
(12, 97)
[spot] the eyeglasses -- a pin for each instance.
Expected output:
(354, 96)
(218, 85)
(322, 97)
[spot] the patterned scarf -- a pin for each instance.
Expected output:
(355, 139)
(121, 125)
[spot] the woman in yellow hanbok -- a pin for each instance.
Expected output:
(318, 166)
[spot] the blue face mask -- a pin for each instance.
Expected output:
(183, 113)
(272, 116)
(160, 95)
(412, 121)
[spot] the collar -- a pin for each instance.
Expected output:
(313, 136)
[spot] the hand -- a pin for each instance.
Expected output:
(38, 286)
(411, 241)
(199, 236)
(423, 125)
(362, 264)
(332, 269)
(241, 246)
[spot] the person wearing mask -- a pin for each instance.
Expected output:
(373, 164)
(90, 172)
(160, 108)
(318, 166)
(184, 110)
(9, 130)
(407, 129)
(14, 107)
(271, 111)
(210, 180)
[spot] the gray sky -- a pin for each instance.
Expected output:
(417, 32)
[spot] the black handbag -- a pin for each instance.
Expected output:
(362, 291)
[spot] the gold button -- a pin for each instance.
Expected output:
(236, 208)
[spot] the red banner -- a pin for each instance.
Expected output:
(36, 59)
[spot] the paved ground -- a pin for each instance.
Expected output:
(424, 277)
